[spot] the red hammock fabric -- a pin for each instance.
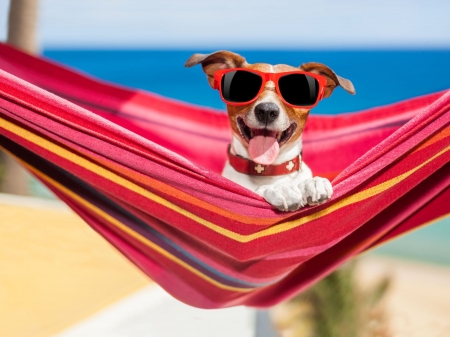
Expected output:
(142, 170)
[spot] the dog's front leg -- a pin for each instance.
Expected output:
(285, 197)
(315, 190)
(292, 196)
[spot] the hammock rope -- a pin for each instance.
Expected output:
(144, 172)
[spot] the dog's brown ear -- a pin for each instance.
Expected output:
(216, 61)
(333, 80)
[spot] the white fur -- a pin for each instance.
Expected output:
(286, 192)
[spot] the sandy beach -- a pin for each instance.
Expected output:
(418, 301)
(54, 269)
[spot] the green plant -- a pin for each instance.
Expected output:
(335, 307)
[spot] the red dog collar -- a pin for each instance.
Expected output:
(249, 167)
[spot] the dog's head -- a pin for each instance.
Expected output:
(267, 125)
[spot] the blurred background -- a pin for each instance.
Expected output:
(391, 51)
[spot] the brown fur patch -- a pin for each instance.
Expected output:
(333, 80)
(216, 61)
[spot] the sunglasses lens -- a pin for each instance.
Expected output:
(299, 89)
(240, 86)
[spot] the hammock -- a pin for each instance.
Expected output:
(144, 172)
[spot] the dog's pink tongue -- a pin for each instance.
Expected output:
(263, 149)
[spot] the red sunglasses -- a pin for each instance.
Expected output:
(241, 86)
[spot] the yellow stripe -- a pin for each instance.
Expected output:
(101, 171)
(127, 230)
(282, 227)
(357, 197)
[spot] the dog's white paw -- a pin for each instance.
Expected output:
(284, 197)
(311, 191)
(315, 190)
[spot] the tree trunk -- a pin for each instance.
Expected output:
(22, 22)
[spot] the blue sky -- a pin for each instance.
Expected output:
(260, 24)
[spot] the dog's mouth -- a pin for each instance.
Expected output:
(281, 136)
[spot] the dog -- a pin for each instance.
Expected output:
(266, 147)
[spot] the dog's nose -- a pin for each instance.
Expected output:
(267, 112)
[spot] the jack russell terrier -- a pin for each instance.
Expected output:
(268, 106)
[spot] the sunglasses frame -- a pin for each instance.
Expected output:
(218, 74)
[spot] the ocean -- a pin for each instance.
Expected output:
(380, 77)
